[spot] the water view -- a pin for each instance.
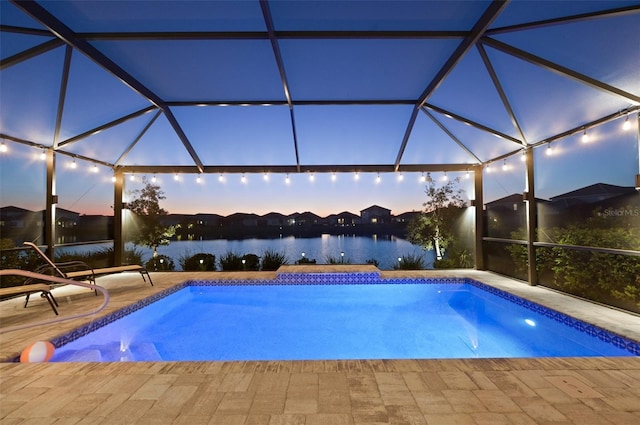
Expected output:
(357, 249)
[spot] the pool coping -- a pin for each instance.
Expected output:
(368, 277)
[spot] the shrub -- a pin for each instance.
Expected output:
(272, 260)
(337, 260)
(305, 260)
(373, 262)
(250, 262)
(410, 262)
(201, 261)
(231, 261)
(160, 263)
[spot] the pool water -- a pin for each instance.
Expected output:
(342, 321)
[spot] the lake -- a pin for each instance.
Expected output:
(357, 249)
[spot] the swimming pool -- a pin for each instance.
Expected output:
(336, 316)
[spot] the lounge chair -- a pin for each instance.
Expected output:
(78, 270)
(29, 289)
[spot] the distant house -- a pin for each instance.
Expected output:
(406, 217)
(375, 215)
(272, 219)
(241, 219)
(594, 194)
(304, 219)
(343, 219)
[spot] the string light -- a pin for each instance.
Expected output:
(287, 180)
(549, 149)
(585, 137)
(356, 176)
(489, 168)
(176, 177)
(243, 179)
(153, 179)
(73, 164)
(265, 177)
(3, 148)
(400, 177)
(95, 168)
(43, 155)
(626, 126)
(378, 179)
(423, 178)
(523, 157)
(505, 167)
(198, 179)
(220, 178)
(445, 177)
(312, 177)
(132, 177)
(113, 179)
(467, 175)
(333, 177)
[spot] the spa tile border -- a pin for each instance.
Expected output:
(355, 278)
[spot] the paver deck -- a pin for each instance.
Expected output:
(355, 392)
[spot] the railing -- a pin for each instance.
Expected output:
(53, 279)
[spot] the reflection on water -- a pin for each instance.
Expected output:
(357, 249)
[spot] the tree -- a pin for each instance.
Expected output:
(434, 228)
(146, 207)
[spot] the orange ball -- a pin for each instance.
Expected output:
(38, 352)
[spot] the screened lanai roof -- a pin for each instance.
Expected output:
(278, 85)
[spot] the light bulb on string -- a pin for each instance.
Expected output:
(378, 178)
(43, 155)
(287, 180)
(3, 147)
(154, 179)
(445, 177)
(356, 176)
(549, 150)
(333, 177)
(626, 126)
(585, 137)
(400, 177)
(198, 178)
(505, 167)
(523, 157)
(265, 177)
(73, 164)
(312, 177)
(243, 179)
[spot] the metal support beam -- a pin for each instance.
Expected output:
(60, 30)
(118, 222)
(52, 200)
(268, 20)
(479, 219)
(559, 69)
(531, 218)
(467, 43)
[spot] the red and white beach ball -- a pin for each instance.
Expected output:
(38, 352)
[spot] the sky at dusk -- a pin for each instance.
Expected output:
(545, 103)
